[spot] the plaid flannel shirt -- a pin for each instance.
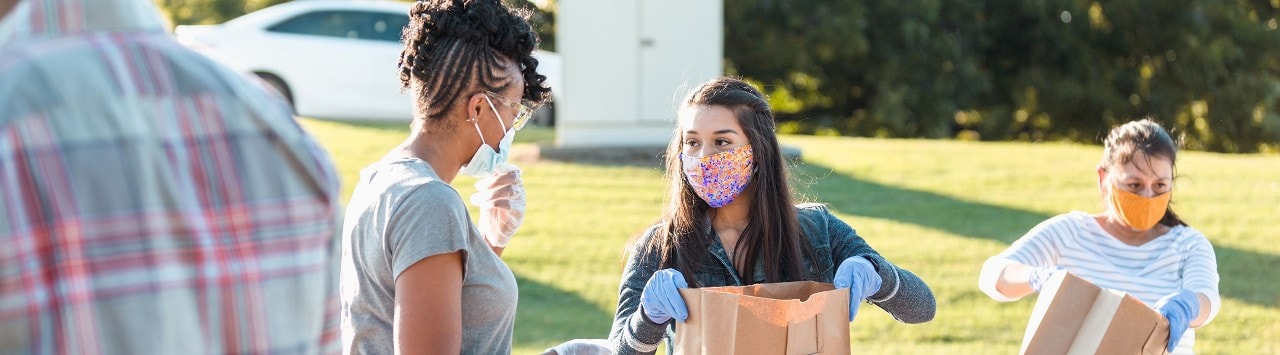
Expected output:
(152, 201)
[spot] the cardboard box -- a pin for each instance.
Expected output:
(780, 318)
(1073, 316)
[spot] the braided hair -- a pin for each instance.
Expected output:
(452, 46)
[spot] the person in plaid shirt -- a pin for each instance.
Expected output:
(152, 201)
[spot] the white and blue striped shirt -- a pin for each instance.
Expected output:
(1179, 259)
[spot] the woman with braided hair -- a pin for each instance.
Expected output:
(417, 275)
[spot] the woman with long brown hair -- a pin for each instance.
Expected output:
(729, 221)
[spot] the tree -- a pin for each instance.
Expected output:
(207, 12)
(898, 69)
(1047, 69)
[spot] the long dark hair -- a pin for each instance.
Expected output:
(1152, 140)
(772, 237)
(451, 46)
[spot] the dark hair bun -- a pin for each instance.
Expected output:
(477, 21)
(449, 44)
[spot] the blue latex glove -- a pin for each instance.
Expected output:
(860, 277)
(661, 297)
(1040, 275)
(1179, 308)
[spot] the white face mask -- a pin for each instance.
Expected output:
(485, 162)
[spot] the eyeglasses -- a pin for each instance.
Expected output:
(523, 109)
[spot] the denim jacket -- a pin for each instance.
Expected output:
(902, 294)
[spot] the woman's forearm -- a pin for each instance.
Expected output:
(903, 294)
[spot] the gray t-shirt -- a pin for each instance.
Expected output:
(400, 213)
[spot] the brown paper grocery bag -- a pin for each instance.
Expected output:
(781, 318)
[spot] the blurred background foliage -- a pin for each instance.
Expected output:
(1015, 70)
(208, 12)
(986, 70)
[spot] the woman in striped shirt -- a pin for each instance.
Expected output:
(1137, 245)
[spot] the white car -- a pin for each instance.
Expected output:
(331, 59)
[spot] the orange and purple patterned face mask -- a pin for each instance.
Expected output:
(720, 177)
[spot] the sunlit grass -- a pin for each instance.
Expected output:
(938, 208)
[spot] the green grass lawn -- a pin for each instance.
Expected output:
(938, 208)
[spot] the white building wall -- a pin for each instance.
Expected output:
(628, 63)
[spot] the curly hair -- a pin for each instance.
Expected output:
(451, 46)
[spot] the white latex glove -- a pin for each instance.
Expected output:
(581, 347)
(501, 202)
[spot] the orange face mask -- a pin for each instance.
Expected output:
(1138, 211)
